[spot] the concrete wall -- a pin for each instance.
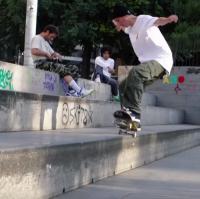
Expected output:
(25, 79)
(24, 111)
(181, 91)
(102, 91)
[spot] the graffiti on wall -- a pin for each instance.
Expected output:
(49, 82)
(184, 82)
(6, 78)
(76, 114)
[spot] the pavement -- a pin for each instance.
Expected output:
(11, 141)
(175, 177)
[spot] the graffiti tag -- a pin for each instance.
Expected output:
(78, 115)
(182, 82)
(6, 78)
(49, 82)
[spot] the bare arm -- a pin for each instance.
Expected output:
(38, 52)
(56, 55)
(166, 20)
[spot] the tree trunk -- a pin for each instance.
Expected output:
(85, 68)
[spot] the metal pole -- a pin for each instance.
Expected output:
(30, 30)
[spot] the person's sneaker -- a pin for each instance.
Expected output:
(85, 92)
(72, 93)
(134, 116)
(98, 80)
(116, 98)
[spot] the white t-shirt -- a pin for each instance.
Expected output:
(148, 42)
(40, 43)
(105, 64)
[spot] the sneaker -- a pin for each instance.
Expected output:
(98, 80)
(85, 92)
(134, 116)
(116, 98)
(71, 93)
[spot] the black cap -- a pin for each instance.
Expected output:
(120, 11)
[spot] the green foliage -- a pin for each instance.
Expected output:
(185, 40)
(12, 25)
(88, 23)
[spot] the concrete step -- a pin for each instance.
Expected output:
(180, 90)
(25, 79)
(29, 80)
(149, 99)
(41, 165)
(154, 115)
(25, 111)
(102, 91)
(188, 103)
(175, 177)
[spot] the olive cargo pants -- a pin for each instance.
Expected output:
(132, 88)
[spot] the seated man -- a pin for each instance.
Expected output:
(46, 58)
(104, 67)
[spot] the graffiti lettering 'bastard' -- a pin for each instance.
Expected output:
(77, 115)
(6, 78)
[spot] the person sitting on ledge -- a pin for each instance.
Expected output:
(45, 58)
(104, 67)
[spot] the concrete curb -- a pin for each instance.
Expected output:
(49, 171)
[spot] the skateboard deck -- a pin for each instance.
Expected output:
(124, 122)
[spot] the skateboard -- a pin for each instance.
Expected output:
(124, 122)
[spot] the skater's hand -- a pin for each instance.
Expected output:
(161, 21)
(173, 18)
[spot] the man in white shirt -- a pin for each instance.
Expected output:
(46, 58)
(104, 67)
(152, 51)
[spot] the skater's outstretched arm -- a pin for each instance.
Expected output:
(161, 21)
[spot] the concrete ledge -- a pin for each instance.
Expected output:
(188, 103)
(25, 79)
(180, 90)
(149, 99)
(25, 111)
(102, 91)
(154, 115)
(43, 165)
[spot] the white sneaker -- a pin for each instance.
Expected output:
(72, 93)
(86, 92)
(98, 80)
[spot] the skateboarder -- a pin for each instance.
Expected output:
(46, 58)
(152, 51)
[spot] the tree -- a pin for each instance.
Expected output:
(88, 23)
(185, 40)
(12, 25)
